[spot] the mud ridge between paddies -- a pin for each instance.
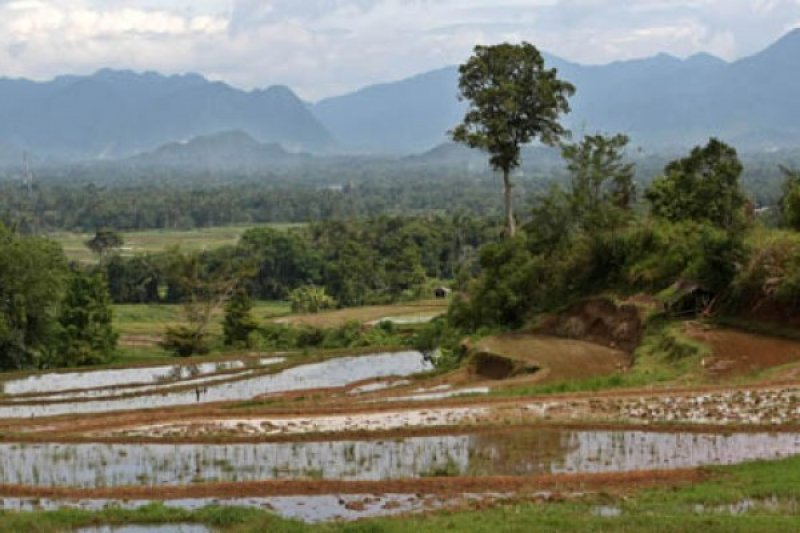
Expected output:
(608, 482)
(766, 407)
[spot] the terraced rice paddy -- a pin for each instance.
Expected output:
(347, 436)
(335, 372)
(519, 453)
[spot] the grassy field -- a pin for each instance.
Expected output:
(151, 319)
(339, 317)
(753, 497)
(158, 240)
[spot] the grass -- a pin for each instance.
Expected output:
(699, 507)
(152, 319)
(159, 240)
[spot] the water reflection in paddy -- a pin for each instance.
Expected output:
(336, 372)
(525, 452)
(64, 381)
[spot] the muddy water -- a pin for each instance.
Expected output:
(336, 372)
(507, 453)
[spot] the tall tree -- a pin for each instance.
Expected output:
(602, 187)
(703, 187)
(513, 100)
(104, 241)
(87, 336)
(203, 290)
(790, 199)
(239, 322)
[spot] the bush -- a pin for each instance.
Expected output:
(310, 299)
(185, 342)
(239, 322)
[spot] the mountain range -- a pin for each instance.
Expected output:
(662, 102)
(118, 113)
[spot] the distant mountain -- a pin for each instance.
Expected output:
(117, 113)
(404, 117)
(662, 102)
(228, 151)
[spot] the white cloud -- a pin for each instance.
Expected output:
(322, 47)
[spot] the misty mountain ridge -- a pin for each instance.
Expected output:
(662, 102)
(113, 114)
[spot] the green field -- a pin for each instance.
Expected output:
(158, 240)
(151, 319)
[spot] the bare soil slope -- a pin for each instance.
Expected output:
(737, 353)
(549, 358)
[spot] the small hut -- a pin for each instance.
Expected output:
(688, 298)
(441, 292)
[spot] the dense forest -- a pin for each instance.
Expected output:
(595, 233)
(90, 197)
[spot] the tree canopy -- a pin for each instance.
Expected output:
(704, 186)
(33, 276)
(513, 100)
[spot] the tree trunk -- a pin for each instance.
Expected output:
(511, 228)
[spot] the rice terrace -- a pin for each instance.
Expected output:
(516, 292)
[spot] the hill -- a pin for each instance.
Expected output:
(224, 151)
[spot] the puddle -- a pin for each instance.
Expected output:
(146, 528)
(444, 394)
(405, 320)
(749, 505)
(336, 372)
(607, 511)
(521, 452)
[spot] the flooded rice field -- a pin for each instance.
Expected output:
(508, 453)
(308, 508)
(337, 372)
(96, 379)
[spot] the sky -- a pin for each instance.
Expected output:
(327, 47)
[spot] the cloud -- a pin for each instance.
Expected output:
(324, 47)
